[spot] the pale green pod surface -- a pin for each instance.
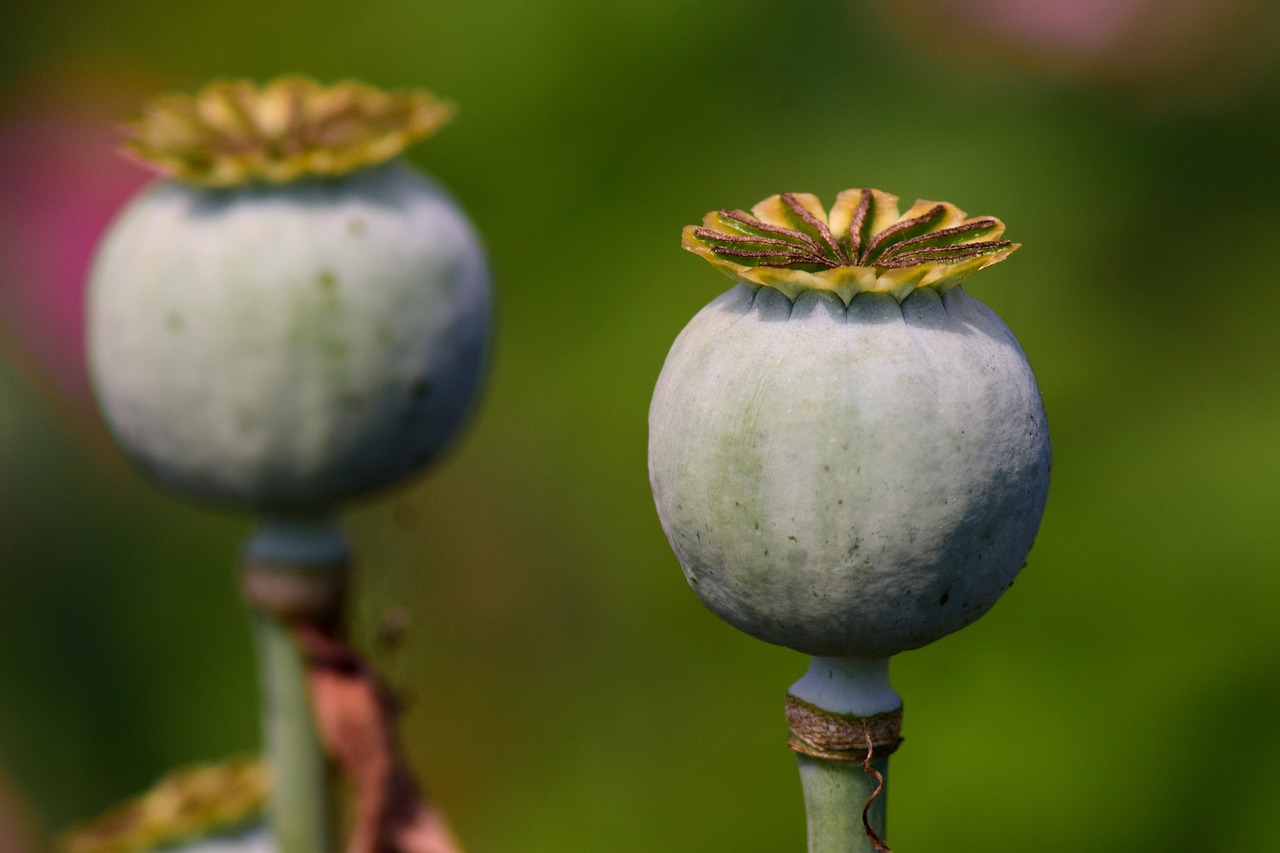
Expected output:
(848, 476)
(287, 347)
(854, 481)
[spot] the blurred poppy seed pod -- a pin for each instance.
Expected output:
(848, 452)
(295, 316)
(214, 808)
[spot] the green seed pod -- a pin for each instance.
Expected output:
(292, 318)
(848, 452)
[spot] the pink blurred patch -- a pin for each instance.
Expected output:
(61, 183)
(1091, 27)
(1175, 51)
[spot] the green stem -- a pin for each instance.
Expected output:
(837, 792)
(294, 569)
(300, 811)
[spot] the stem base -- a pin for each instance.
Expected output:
(835, 793)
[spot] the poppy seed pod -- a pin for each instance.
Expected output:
(294, 317)
(848, 452)
(221, 811)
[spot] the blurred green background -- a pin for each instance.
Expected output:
(566, 691)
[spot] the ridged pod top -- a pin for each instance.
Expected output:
(235, 132)
(863, 244)
(185, 806)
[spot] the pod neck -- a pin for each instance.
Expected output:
(846, 685)
(305, 543)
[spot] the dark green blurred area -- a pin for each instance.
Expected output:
(566, 691)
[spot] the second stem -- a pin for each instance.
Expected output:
(295, 570)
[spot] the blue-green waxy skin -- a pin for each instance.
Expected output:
(285, 348)
(848, 481)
